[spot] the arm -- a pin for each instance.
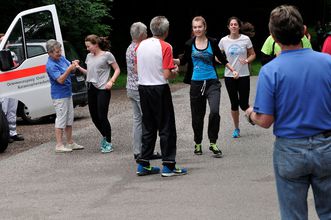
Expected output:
(250, 55)
(113, 79)
(167, 74)
(81, 69)
(235, 73)
(263, 120)
(65, 75)
(230, 67)
(221, 58)
(170, 74)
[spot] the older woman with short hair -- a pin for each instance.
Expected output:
(58, 69)
(138, 32)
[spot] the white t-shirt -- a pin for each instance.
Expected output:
(98, 68)
(153, 56)
(236, 49)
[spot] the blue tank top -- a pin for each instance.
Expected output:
(203, 68)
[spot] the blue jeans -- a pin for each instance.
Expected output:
(299, 164)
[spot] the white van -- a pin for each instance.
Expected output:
(25, 79)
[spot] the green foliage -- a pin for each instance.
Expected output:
(255, 68)
(121, 81)
(79, 18)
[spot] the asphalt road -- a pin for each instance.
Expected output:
(39, 184)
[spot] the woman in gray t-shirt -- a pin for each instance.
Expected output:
(99, 63)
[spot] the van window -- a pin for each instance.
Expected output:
(35, 50)
(15, 45)
(38, 27)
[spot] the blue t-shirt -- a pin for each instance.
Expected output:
(203, 68)
(55, 68)
(295, 88)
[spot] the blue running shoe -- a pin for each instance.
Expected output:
(236, 133)
(102, 143)
(107, 147)
(148, 170)
(166, 172)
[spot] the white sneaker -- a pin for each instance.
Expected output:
(62, 149)
(75, 146)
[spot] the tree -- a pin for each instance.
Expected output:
(79, 18)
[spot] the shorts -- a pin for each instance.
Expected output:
(64, 111)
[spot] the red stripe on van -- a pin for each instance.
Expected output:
(17, 74)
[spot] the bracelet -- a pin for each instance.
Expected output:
(113, 82)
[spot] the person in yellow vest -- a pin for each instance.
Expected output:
(271, 49)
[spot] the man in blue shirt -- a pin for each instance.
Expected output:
(294, 94)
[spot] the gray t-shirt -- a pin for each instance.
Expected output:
(98, 68)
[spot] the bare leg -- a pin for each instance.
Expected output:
(235, 117)
(68, 131)
(58, 136)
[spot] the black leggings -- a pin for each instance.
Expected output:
(238, 90)
(98, 104)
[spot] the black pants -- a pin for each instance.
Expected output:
(98, 104)
(158, 115)
(200, 92)
(238, 90)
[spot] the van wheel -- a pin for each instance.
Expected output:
(24, 113)
(4, 132)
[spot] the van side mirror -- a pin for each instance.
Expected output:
(6, 60)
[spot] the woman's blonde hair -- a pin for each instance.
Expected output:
(200, 18)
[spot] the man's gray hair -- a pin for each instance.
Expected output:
(52, 44)
(137, 29)
(159, 26)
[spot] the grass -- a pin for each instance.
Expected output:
(121, 80)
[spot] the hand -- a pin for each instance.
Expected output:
(235, 74)
(109, 84)
(243, 61)
(76, 62)
(177, 62)
(72, 67)
(175, 70)
(248, 113)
